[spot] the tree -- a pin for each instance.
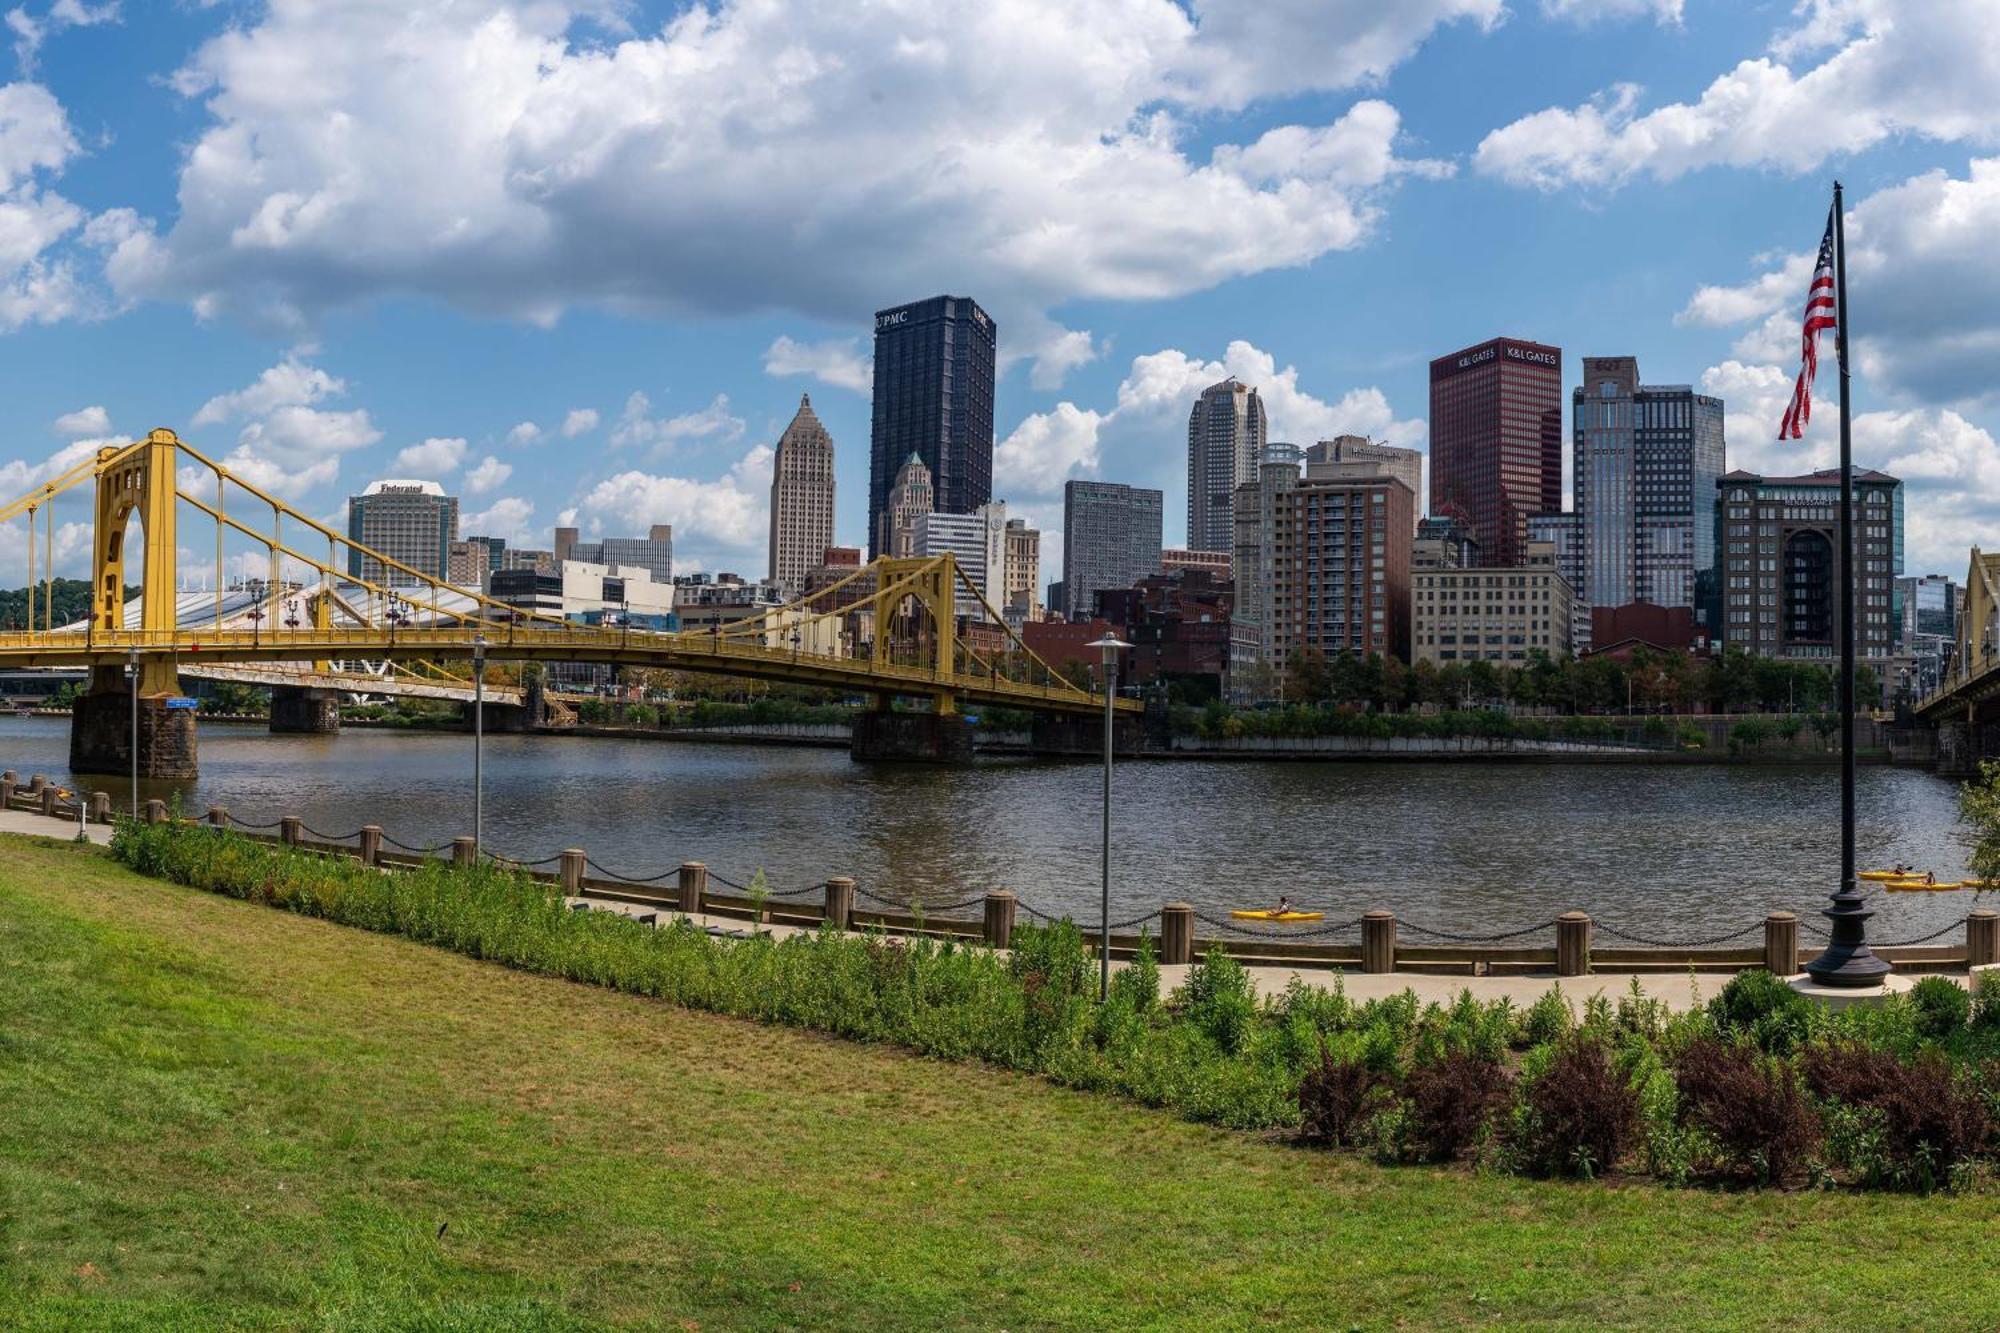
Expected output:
(1979, 807)
(1307, 675)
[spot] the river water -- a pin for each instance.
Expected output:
(1680, 852)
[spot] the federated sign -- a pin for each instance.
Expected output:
(179, 701)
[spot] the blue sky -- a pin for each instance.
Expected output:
(578, 256)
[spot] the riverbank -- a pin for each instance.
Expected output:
(216, 1120)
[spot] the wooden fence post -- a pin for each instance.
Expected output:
(1982, 937)
(571, 870)
(1177, 933)
(999, 923)
(1378, 941)
(1572, 944)
(218, 816)
(7, 785)
(291, 830)
(156, 812)
(464, 852)
(51, 801)
(371, 844)
(693, 884)
(1781, 944)
(839, 902)
(100, 807)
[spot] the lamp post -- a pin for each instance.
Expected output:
(132, 660)
(478, 741)
(1110, 645)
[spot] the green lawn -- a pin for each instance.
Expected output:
(212, 1113)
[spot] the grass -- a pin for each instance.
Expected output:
(213, 1114)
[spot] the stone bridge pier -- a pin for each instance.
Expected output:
(882, 735)
(100, 730)
(1963, 746)
(298, 710)
(1075, 736)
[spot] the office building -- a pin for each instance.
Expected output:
(1255, 632)
(588, 593)
(1562, 531)
(1928, 608)
(1282, 451)
(1178, 626)
(754, 611)
(1781, 563)
(1502, 616)
(1226, 445)
(1111, 539)
(411, 522)
(1496, 441)
(1644, 463)
(1216, 564)
(653, 553)
(1443, 543)
(1341, 567)
(801, 497)
(469, 563)
(978, 541)
(909, 500)
(1022, 586)
(1359, 456)
(934, 399)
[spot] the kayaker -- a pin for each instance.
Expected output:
(1284, 906)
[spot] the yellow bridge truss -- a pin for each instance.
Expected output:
(1973, 679)
(891, 628)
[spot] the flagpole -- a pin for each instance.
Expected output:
(1847, 961)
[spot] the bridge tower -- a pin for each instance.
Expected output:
(141, 485)
(920, 595)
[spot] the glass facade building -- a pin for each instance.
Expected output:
(412, 522)
(1228, 439)
(1644, 465)
(934, 364)
(1496, 441)
(1111, 539)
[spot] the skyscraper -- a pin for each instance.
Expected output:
(909, 500)
(1645, 462)
(1781, 563)
(1227, 433)
(412, 522)
(1341, 566)
(979, 543)
(1496, 441)
(934, 399)
(801, 498)
(1023, 584)
(1111, 539)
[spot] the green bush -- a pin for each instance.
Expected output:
(1907, 1092)
(1942, 1007)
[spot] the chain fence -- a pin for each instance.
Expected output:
(1709, 943)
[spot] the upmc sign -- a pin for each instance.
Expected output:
(888, 319)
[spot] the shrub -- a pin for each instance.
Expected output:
(1750, 1106)
(1576, 1116)
(1942, 1007)
(1450, 1103)
(1920, 1120)
(1759, 1006)
(1218, 998)
(1547, 1019)
(1336, 1098)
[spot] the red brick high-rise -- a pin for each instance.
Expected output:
(1496, 441)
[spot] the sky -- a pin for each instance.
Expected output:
(578, 259)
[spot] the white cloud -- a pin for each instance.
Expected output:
(1925, 291)
(432, 458)
(524, 433)
(835, 361)
(30, 32)
(580, 421)
(1600, 11)
(1884, 68)
(1046, 449)
(817, 156)
(290, 383)
(506, 517)
(637, 427)
(92, 420)
(720, 524)
(489, 475)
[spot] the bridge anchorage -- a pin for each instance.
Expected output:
(895, 630)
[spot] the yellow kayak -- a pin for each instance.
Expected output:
(1918, 886)
(1883, 874)
(1265, 914)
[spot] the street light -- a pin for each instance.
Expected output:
(1110, 645)
(478, 741)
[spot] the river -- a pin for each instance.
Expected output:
(1680, 852)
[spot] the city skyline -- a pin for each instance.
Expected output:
(540, 398)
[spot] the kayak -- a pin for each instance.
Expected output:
(1265, 914)
(1918, 886)
(1883, 874)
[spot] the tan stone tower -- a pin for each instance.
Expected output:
(801, 498)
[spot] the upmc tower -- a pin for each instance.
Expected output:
(934, 399)
(1496, 441)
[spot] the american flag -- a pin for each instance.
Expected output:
(1819, 315)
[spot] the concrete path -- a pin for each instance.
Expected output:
(41, 826)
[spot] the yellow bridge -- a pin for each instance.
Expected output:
(1965, 707)
(891, 629)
